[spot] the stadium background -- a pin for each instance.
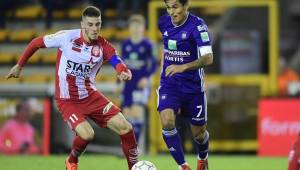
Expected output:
(249, 38)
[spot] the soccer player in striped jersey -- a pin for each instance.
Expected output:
(187, 50)
(81, 53)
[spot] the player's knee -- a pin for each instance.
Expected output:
(168, 123)
(201, 135)
(87, 135)
(124, 127)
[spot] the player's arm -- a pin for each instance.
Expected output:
(205, 59)
(48, 41)
(111, 56)
(31, 48)
(124, 73)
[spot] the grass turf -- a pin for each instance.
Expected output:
(162, 162)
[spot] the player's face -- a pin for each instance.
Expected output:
(136, 29)
(91, 27)
(177, 11)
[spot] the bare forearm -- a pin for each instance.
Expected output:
(202, 61)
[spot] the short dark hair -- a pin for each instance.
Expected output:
(91, 11)
(183, 2)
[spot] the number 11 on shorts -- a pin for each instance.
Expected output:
(73, 118)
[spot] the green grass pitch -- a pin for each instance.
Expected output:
(163, 162)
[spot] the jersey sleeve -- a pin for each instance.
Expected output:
(55, 40)
(108, 50)
(201, 34)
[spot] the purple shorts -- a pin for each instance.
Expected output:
(191, 105)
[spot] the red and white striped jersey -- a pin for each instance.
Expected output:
(77, 63)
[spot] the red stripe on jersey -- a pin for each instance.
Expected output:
(88, 87)
(76, 49)
(108, 49)
(57, 88)
(73, 88)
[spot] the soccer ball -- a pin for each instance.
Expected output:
(143, 165)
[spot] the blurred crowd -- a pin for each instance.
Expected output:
(123, 8)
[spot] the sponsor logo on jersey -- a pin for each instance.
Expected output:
(96, 51)
(172, 45)
(178, 53)
(78, 69)
(201, 28)
(107, 107)
(184, 35)
(176, 56)
(128, 48)
(133, 56)
(204, 36)
(172, 149)
(165, 33)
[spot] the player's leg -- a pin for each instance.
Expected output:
(171, 136)
(201, 138)
(122, 127)
(84, 134)
(74, 116)
(136, 117)
(168, 105)
(197, 109)
(107, 115)
(134, 109)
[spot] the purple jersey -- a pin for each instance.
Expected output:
(140, 60)
(182, 45)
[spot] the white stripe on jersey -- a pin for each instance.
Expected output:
(94, 74)
(205, 103)
(157, 93)
(201, 71)
(63, 83)
(82, 92)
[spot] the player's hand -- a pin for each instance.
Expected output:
(143, 82)
(125, 75)
(14, 72)
(173, 69)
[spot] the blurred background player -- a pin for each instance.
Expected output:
(81, 53)
(17, 135)
(187, 49)
(294, 155)
(137, 52)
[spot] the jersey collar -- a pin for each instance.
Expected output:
(81, 39)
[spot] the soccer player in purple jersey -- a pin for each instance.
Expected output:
(137, 52)
(187, 49)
